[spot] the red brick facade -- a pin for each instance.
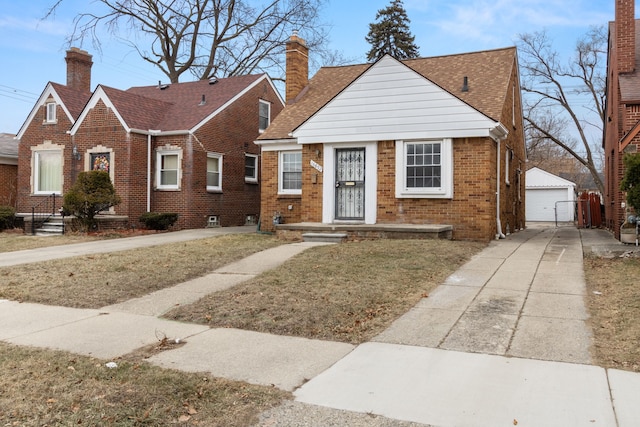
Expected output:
(473, 209)
(229, 133)
(622, 111)
(8, 184)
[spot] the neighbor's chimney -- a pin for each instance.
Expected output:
(297, 66)
(79, 69)
(625, 35)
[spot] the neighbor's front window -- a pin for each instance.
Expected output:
(50, 112)
(290, 165)
(264, 115)
(47, 172)
(168, 170)
(424, 169)
(214, 172)
(250, 168)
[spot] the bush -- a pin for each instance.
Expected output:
(631, 181)
(7, 217)
(158, 220)
(92, 193)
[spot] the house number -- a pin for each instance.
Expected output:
(316, 166)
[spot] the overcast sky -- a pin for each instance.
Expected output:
(32, 50)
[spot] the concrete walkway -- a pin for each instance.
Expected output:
(503, 341)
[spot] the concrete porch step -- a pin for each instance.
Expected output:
(324, 237)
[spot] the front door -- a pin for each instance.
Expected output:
(350, 184)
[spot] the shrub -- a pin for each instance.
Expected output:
(92, 193)
(158, 220)
(7, 217)
(631, 181)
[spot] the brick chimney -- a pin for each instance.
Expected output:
(626, 35)
(79, 69)
(297, 66)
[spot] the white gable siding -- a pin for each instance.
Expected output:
(389, 102)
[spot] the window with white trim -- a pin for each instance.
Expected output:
(168, 172)
(290, 172)
(50, 112)
(507, 165)
(47, 171)
(214, 172)
(424, 169)
(250, 168)
(264, 114)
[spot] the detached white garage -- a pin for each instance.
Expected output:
(545, 193)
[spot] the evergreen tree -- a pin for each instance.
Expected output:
(391, 34)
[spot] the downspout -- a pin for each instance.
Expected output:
(150, 133)
(149, 172)
(498, 134)
(499, 234)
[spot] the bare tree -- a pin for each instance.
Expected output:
(208, 38)
(564, 103)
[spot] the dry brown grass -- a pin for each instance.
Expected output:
(615, 310)
(348, 292)
(47, 388)
(94, 281)
(18, 241)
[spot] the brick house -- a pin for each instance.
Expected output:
(423, 141)
(8, 169)
(622, 108)
(185, 148)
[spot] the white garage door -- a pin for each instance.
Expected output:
(541, 204)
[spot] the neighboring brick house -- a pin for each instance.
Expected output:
(8, 169)
(622, 108)
(185, 148)
(423, 141)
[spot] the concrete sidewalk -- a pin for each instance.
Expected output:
(503, 341)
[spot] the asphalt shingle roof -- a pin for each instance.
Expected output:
(181, 102)
(8, 145)
(72, 99)
(488, 73)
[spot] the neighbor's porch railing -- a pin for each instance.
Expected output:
(44, 210)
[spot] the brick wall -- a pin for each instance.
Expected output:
(625, 35)
(621, 117)
(8, 184)
(102, 128)
(231, 134)
(312, 183)
(512, 194)
(271, 201)
(472, 209)
(37, 133)
(297, 67)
